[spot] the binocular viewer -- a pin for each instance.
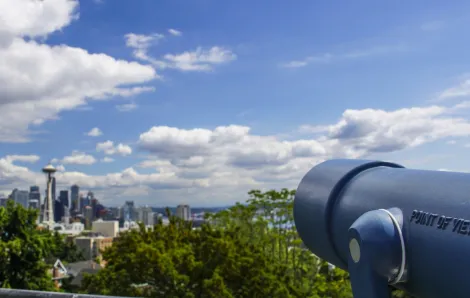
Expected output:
(388, 225)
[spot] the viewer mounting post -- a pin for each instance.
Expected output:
(387, 225)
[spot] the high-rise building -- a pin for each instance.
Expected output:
(88, 215)
(74, 196)
(58, 211)
(21, 197)
(128, 211)
(64, 198)
(146, 216)
(93, 205)
(35, 196)
(183, 212)
(3, 201)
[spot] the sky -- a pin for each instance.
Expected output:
(198, 102)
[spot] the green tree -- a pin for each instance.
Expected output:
(65, 250)
(178, 261)
(23, 250)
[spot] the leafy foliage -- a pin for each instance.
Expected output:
(27, 253)
(23, 250)
(249, 250)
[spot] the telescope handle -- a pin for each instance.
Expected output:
(376, 253)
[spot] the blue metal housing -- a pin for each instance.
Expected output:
(433, 208)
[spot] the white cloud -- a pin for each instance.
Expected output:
(127, 107)
(218, 166)
(328, 57)
(95, 132)
(461, 90)
(107, 159)
(22, 158)
(39, 81)
(200, 59)
(109, 148)
(79, 158)
(175, 32)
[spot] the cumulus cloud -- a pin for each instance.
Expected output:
(460, 90)
(201, 59)
(95, 132)
(228, 160)
(224, 162)
(109, 148)
(22, 158)
(39, 81)
(79, 158)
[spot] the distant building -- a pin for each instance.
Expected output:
(34, 204)
(183, 212)
(106, 228)
(35, 195)
(128, 211)
(72, 229)
(21, 197)
(3, 202)
(88, 214)
(58, 210)
(93, 246)
(145, 215)
(74, 196)
(64, 198)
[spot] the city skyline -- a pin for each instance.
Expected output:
(200, 102)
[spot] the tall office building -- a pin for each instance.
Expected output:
(58, 210)
(93, 205)
(35, 196)
(21, 197)
(75, 198)
(64, 198)
(128, 211)
(146, 215)
(183, 212)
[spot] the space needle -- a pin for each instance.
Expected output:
(48, 217)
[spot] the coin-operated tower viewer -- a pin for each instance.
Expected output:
(388, 225)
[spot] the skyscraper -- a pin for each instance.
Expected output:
(64, 198)
(128, 211)
(183, 212)
(58, 210)
(21, 197)
(75, 196)
(35, 195)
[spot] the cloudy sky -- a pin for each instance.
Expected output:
(178, 101)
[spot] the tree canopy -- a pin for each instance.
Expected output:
(248, 250)
(26, 253)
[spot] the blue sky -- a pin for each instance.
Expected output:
(288, 71)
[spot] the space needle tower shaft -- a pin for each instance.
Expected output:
(48, 218)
